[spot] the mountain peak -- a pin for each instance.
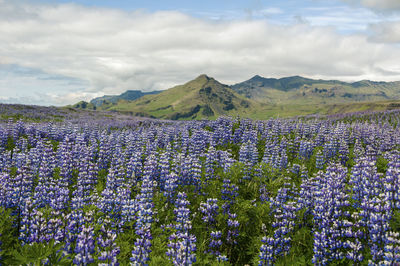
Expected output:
(128, 95)
(257, 77)
(201, 81)
(203, 77)
(200, 98)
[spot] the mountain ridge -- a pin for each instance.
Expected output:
(300, 90)
(128, 95)
(203, 97)
(206, 98)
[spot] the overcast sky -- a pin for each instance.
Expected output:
(60, 52)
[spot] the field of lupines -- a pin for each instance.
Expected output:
(226, 192)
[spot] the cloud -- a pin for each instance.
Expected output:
(386, 32)
(384, 27)
(32, 86)
(346, 19)
(379, 5)
(272, 11)
(108, 51)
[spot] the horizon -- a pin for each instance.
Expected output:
(60, 52)
(208, 76)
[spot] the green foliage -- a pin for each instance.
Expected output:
(395, 221)
(125, 242)
(39, 254)
(251, 216)
(159, 247)
(54, 144)
(260, 148)
(101, 180)
(56, 173)
(233, 148)
(10, 144)
(381, 164)
(7, 234)
(301, 250)
(13, 171)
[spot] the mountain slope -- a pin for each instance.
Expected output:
(299, 90)
(203, 97)
(258, 98)
(84, 105)
(129, 95)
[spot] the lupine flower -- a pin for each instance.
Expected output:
(233, 231)
(85, 246)
(141, 251)
(107, 247)
(329, 206)
(209, 209)
(182, 245)
(215, 243)
(229, 194)
(284, 211)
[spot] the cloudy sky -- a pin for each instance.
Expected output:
(60, 52)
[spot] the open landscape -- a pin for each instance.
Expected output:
(199, 132)
(258, 98)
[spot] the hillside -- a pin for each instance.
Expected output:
(129, 95)
(201, 98)
(84, 105)
(257, 98)
(299, 90)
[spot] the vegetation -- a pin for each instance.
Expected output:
(299, 90)
(311, 190)
(257, 98)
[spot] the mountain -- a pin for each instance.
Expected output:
(203, 97)
(257, 98)
(300, 90)
(129, 95)
(84, 105)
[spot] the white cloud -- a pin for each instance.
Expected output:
(380, 5)
(387, 32)
(347, 19)
(384, 27)
(272, 10)
(113, 50)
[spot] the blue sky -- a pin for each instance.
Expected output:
(344, 17)
(189, 6)
(60, 52)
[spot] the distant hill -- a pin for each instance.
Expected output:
(201, 98)
(84, 105)
(258, 98)
(300, 90)
(129, 95)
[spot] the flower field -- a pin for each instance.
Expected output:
(311, 190)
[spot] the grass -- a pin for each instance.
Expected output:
(196, 98)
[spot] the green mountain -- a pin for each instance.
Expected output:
(299, 90)
(201, 98)
(129, 95)
(84, 105)
(257, 98)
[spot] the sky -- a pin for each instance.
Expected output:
(60, 52)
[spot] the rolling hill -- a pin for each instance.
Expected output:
(129, 95)
(203, 97)
(299, 90)
(84, 105)
(257, 98)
